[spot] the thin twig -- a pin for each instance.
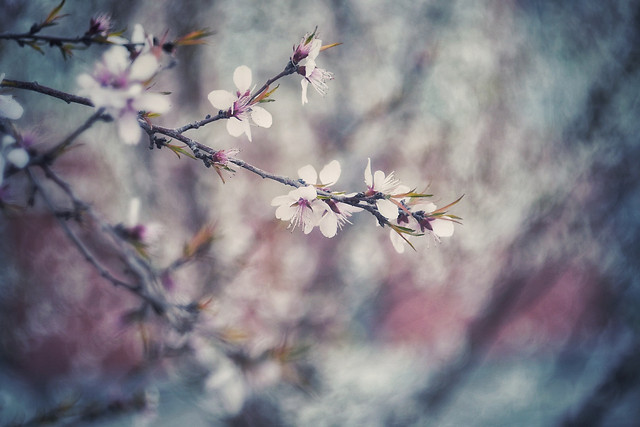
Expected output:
(289, 69)
(59, 148)
(358, 200)
(200, 123)
(266, 175)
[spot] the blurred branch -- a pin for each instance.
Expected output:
(482, 332)
(147, 287)
(59, 148)
(86, 253)
(56, 41)
(36, 87)
(72, 412)
(206, 154)
(620, 380)
(521, 277)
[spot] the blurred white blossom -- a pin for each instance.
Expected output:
(118, 85)
(11, 153)
(9, 107)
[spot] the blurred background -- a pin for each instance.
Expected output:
(527, 315)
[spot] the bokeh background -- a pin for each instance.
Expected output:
(528, 315)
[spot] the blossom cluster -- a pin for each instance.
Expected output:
(302, 207)
(402, 209)
(241, 107)
(119, 83)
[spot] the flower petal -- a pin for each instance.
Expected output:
(280, 200)
(7, 140)
(330, 174)
(310, 219)
(86, 83)
(221, 99)
(138, 34)
(143, 68)
(134, 210)
(152, 102)
(261, 117)
(116, 59)
(19, 157)
(285, 211)
(316, 44)
(128, 128)
(237, 127)
(387, 208)
(329, 224)
(397, 241)
(309, 67)
(427, 207)
(401, 189)
(305, 85)
(442, 227)
(308, 193)
(242, 78)
(379, 181)
(368, 178)
(308, 174)
(10, 108)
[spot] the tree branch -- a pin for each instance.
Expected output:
(36, 87)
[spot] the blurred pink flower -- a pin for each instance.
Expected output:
(100, 24)
(240, 107)
(118, 85)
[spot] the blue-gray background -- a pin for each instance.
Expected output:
(526, 316)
